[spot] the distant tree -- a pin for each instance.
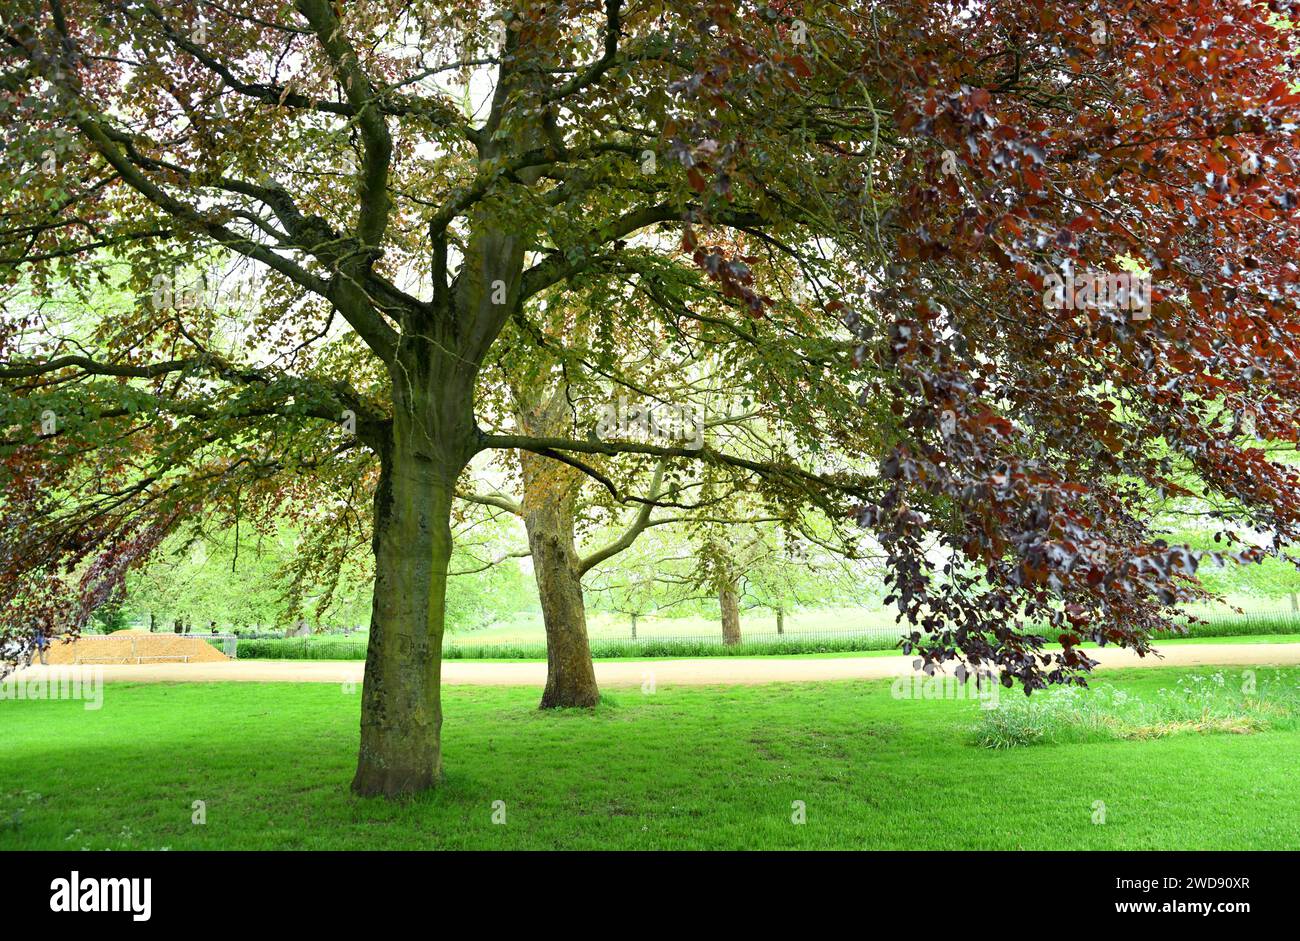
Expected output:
(649, 391)
(653, 576)
(110, 617)
(783, 571)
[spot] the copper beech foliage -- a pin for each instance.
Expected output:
(1161, 133)
(928, 170)
(1005, 144)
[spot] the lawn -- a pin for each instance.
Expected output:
(697, 768)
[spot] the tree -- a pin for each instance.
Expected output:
(783, 567)
(649, 388)
(541, 399)
(1094, 254)
(486, 582)
(942, 206)
(177, 130)
(652, 574)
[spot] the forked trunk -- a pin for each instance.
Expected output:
(729, 601)
(570, 677)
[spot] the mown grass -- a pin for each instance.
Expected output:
(682, 768)
(1256, 615)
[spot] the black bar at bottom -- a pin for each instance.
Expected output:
(337, 891)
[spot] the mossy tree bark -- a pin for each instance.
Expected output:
(570, 675)
(432, 437)
(401, 710)
(549, 514)
(729, 601)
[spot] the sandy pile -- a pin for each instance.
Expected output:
(131, 646)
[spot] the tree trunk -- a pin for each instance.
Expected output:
(570, 676)
(780, 620)
(550, 494)
(730, 604)
(634, 627)
(432, 438)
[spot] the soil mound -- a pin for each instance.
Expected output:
(138, 647)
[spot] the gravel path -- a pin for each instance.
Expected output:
(706, 671)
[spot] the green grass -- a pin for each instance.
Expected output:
(682, 768)
(527, 627)
(895, 652)
(321, 648)
(1227, 701)
(1230, 639)
(1258, 616)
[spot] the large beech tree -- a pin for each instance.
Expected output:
(316, 141)
(929, 167)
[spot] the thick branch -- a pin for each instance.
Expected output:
(593, 72)
(554, 448)
(492, 499)
(377, 151)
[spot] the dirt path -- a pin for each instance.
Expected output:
(706, 671)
